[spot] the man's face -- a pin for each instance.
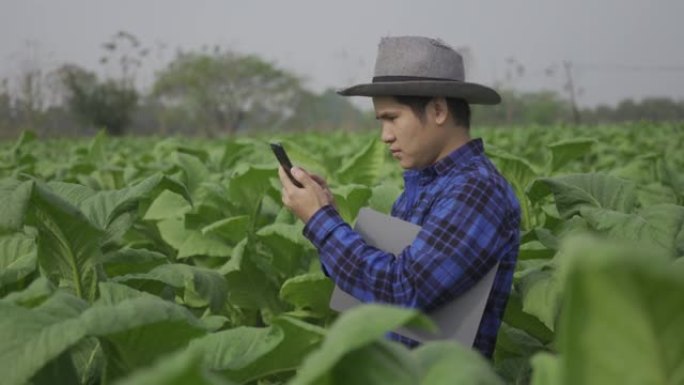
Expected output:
(414, 143)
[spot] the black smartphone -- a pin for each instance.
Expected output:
(284, 160)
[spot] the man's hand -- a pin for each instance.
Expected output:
(304, 202)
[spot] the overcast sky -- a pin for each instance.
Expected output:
(618, 48)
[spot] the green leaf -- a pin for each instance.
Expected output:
(102, 207)
(115, 210)
(249, 183)
(231, 229)
(37, 292)
(514, 347)
(310, 292)
(68, 243)
(546, 369)
(18, 254)
(517, 318)
(246, 353)
(564, 151)
(304, 158)
(383, 197)
(180, 368)
(382, 362)
(655, 193)
(13, 205)
(195, 171)
(572, 192)
(129, 261)
(112, 293)
(517, 170)
(350, 199)
(520, 174)
(248, 286)
(622, 319)
(191, 242)
(364, 167)
(355, 329)
(449, 363)
(288, 247)
(655, 227)
(136, 331)
(167, 205)
(32, 338)
(541, 296)
(207, 285)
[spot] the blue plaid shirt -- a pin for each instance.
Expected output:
(470, 219)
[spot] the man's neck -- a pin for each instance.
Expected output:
(454, 142)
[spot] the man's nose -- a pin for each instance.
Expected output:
(387, 136)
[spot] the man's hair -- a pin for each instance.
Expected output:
(458, 108)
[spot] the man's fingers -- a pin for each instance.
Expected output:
(284, 179)
(303, 177)
(320, 180)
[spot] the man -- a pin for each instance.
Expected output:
(468, 212)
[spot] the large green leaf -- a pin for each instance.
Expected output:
(102, 207)
(136, 331)
(191, 242)
(15, 200)
(383, 197)
(355, 329)
(304, 158)
(449, 363)
(656, 227)
(133, 332)
(514, 348)
(541, 295)
(116, 210)
(623, 317)
(520, 174)
(517, 318)
(180, 368)
(564, 151)
(288, 247)
(68, 243)
(309, 293)
(381, 362)
(231, 229)
(194, 169)
(572, 192)
(167, 205)
(364, 167)
(38, 291)
(350, 199)
(129, 261)
(18, 255)
(246, 353)
(202, 287)
(517, 170)
(249, 184)
(248, 286)
(32, 338)
(546, 369)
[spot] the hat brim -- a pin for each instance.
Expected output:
(471, 92)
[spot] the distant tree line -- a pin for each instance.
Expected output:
(207, 92)
(213, 92)
(547, 107)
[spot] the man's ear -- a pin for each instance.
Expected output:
(439, 110)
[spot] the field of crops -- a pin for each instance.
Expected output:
(173, 261)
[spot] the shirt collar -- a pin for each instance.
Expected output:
(457, 159)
